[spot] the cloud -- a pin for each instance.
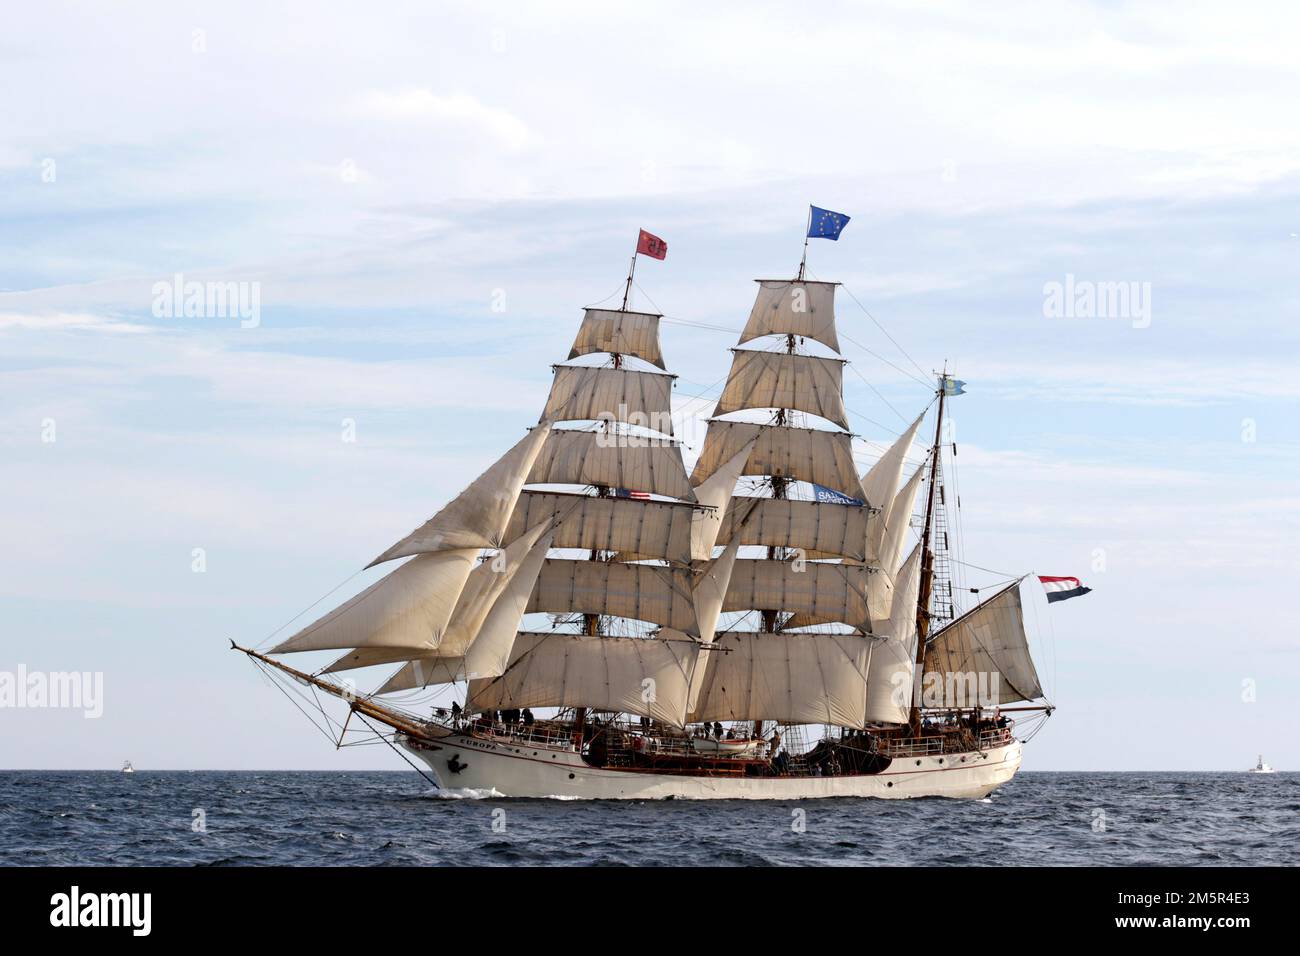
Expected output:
(422, 105)
(68, 321)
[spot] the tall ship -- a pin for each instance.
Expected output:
(591, 619)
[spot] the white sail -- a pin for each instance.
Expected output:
(488, 653)
(645, 592)
(476, 518)
(625, 333)
(880, 484)
(820, 529)
(714, 495)
(783, 307)
(985, 645)
(658, 529)
(584, 392)
(613, 460)
(408, 607)
(629, 675)
(791, 678)
(710, 590)
(894, 539)
(826, 591)
(893, 659)
(781, 380)
(802, 454)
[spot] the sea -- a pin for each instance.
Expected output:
(227, 818)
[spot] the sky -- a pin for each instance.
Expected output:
(425, 196)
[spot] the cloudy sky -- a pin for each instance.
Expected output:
(427, 195)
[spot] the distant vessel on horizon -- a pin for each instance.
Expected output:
(127, 768)
(1260, 767)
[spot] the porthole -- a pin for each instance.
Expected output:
(570, 776)
(940, 760)
(889, 784)
(918, 763)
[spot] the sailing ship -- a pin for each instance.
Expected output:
(755, 628)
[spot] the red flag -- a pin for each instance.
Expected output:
(652, 246)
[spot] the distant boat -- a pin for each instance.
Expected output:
(1260, 767)
(127, 768)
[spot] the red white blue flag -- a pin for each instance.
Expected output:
(629, 493)
(1062, 589)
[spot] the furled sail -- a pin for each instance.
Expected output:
(629, 675)
(829, 592)
(476, 518)
(791, 678)
(656, 529)
(715, 495)
(408, 607)
(625, 333)
(614, 460)
(983, 656)
(803, 454)
(585, 392)
(893, 659)
(783, 307)
(781, 380)
(818, 528)
(645, 592)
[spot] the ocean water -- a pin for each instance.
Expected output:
(206, 818)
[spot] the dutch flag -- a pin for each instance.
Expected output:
(1062, 589)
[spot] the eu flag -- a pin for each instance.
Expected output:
(824, 224)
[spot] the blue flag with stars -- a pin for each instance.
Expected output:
(824, 224)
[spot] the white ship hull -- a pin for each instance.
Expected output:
(514, 768)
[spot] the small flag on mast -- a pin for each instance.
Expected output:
(1062, 589)
(952, 386)
(651, 245)
(824, 224)
(629, 493)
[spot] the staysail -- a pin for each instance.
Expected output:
(477, 516)
(893, 659)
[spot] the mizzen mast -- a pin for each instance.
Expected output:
(927, 558)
